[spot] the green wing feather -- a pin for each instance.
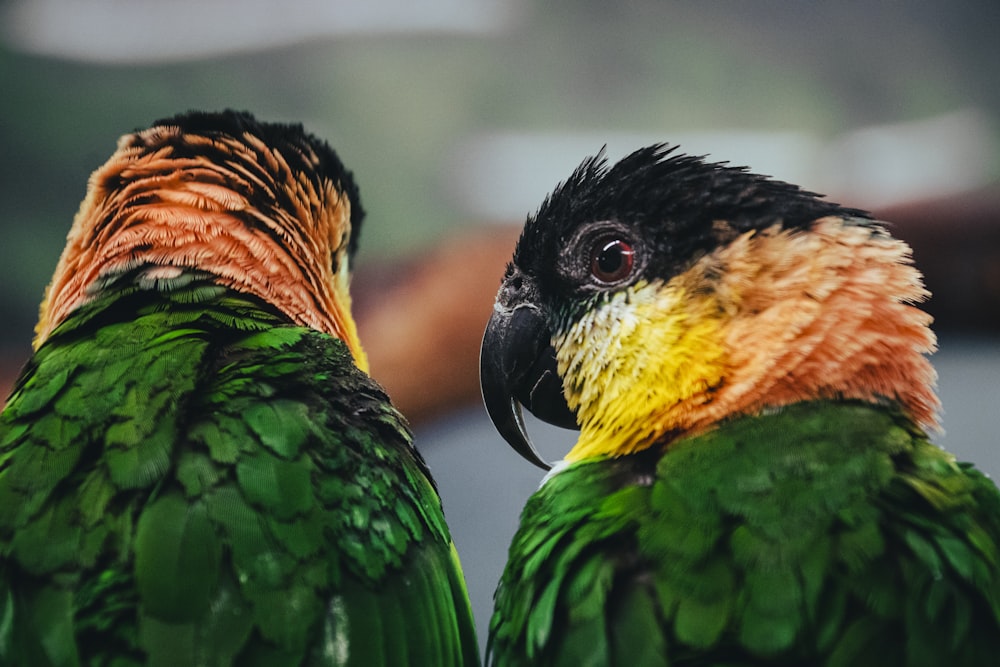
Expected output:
(186, 479)
(826, 534)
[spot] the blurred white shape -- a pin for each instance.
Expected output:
(150, 31)
(886, 164)
(504, 176)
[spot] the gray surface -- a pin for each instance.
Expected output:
(484, 483)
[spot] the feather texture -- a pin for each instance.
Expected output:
(198, 493)
(826, 534)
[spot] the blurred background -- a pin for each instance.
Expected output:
(457, 116)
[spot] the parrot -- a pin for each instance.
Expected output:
(753, 480)
(195, 467)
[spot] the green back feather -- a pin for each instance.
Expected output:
(826, 534)
(186, 479)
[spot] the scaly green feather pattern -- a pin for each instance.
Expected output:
(825, 534)
(187, 479)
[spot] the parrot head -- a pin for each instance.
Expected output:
(653, 298)
(262, 208)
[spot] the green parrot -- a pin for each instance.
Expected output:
(753, 481)
(195, 468)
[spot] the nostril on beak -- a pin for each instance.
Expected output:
(513, 290)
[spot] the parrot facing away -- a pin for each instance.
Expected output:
(195, 468)
(753, 481)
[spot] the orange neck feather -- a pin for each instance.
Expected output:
(821, 314)
(151, 208)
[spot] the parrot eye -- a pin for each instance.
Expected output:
(611, 260)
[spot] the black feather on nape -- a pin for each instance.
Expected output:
(657, 182)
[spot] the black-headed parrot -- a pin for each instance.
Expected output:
(195, 468)
(753, 482)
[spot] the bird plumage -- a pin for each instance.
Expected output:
(753, 483)
(194, 470)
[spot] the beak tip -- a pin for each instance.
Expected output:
(508, 419)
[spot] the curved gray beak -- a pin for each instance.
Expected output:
(518, 367)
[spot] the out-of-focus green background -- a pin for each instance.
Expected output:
(456, 115)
